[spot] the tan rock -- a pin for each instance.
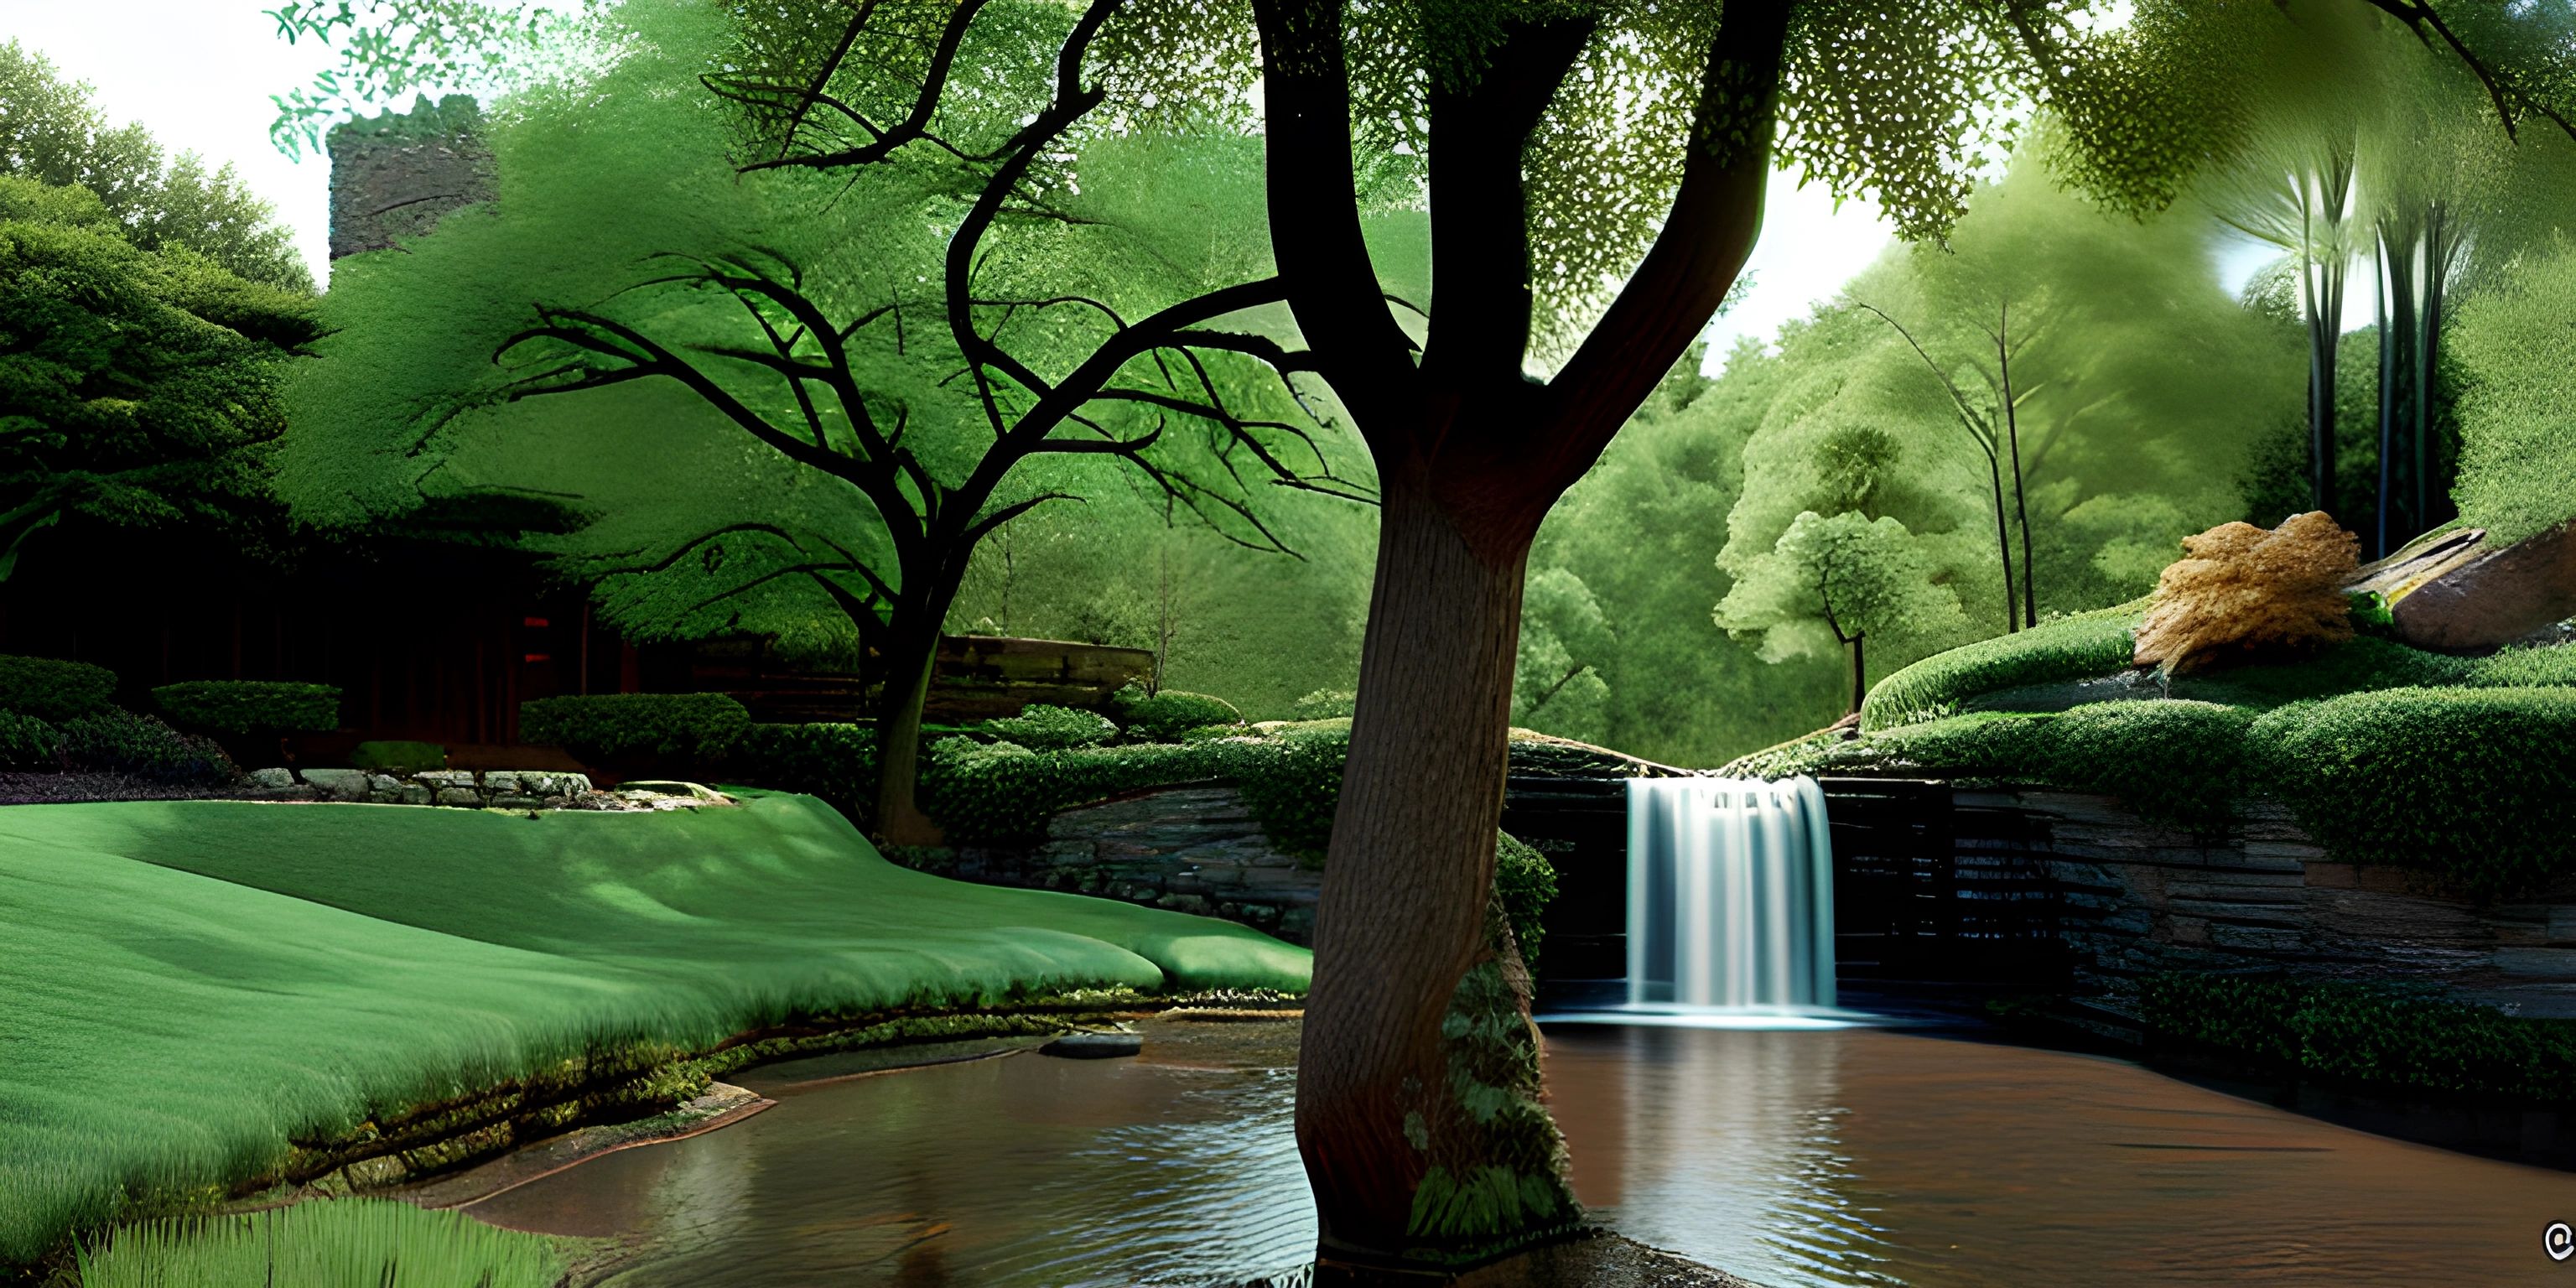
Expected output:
(2242, 593)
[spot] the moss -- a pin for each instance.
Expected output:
(2070, 648)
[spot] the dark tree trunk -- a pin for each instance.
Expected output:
(912, 649)
(2021, 499)
(1860, 674)
(1412, 860)
(2325, 336)
(2003, 544)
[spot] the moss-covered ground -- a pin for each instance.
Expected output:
(191, 987)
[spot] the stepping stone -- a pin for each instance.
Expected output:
(1094, 1046)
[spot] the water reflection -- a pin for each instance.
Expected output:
(1794, 1159)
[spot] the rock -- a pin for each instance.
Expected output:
(443, 779)
(1094, 1046)
(272, 778)
(339, 784)
(2484, 598)
(464, 796)
(416, 794)
(501, 780)
(668, 788)
(384, 783)
(1297, 924)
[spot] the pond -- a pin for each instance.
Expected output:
(1794, 1159)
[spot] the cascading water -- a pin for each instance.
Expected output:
(1730, 895)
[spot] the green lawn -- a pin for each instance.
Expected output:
(186, 985)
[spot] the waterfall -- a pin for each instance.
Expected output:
(1730, 894)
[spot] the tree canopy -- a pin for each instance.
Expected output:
(51, 132)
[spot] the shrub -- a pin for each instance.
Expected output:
(1040, 727)
(834, 762)
(1292, 782)
(1524, 884)
(1165, 716)
(691, 728)
(52, 690)
(2070, 648)
(2477, 785)
(992, 791)
(243, 707)
(2244, 592)
(2367, 1033)
(117, 741)
(28, 743)
(398, 757)
(1324, 704)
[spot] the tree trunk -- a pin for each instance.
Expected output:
(2325, 334)
(2003, 544)
(1407, 883)
(913, 650)
(2021, 500)
(1860, 674)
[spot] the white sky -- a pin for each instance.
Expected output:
(199, 74)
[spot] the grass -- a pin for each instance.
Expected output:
(2069, 648)
(346, 1243)
(191, 985)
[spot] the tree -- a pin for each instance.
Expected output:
(1565, 638)
(137, 389)
(1834, 582)
(948, 346)
(52, 133)
(1594, 177)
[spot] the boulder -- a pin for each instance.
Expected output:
(2463, 595)
(272, 778)
(339, 784)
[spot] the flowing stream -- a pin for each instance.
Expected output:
(1796, 1159)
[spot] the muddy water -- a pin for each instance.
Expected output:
(1797, 1160)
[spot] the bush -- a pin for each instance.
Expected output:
(2368, 1033)
(1524, 884)
(1324, 704)
(994, 791)
(117, 741)
(1165, 716)
(1292, 782)
(54, 691)
(693, 729)
(398, 757)
(1040, 727)
(833, 762)
(29, 743)
(2477, 785)
(245, 707)
(2070, 648)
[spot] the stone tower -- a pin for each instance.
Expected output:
(394, 175)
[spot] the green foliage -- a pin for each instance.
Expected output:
(1167, 715)
(1324, 704)
(994, 791)
(1556, 683)
(393, 757)
(28, 743)
(51, 132)
(347, 1243)
(164, 982)
(1294, 787)
(250, 706)
(2368, 1034)
(137, 389)
(2518, 444)
(1040, 727)
(52, 689)
(837, 762)
(2082, 647)
(117, 741)
(2477, 786)
(1524, 884)
(693, 729)
(1833, 582)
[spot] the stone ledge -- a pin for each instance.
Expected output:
(516, 790)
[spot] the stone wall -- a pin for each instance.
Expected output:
(476, 789)
(1191, 849)
(2137, 897)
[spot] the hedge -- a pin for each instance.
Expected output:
(2083, 647)
(694, 729)
(2477, 785)
(1040, 727)
(1166, 716)
(53, 690)
(242, 707)
(1524, 884)
(2368, 1033)
(121, 742)
(835, 762)
(29, 743)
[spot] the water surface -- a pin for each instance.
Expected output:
(1795, 1159)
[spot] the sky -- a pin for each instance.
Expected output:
(199, 74)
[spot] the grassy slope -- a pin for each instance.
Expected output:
(187, 985)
